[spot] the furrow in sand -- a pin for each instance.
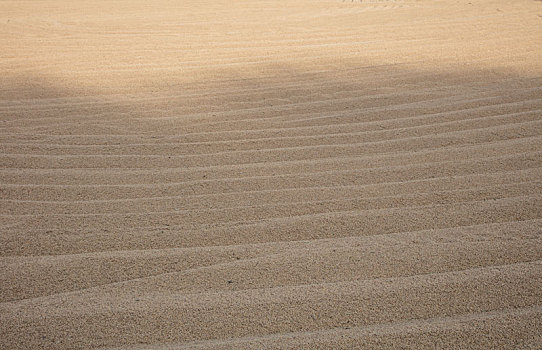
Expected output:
(312, 134)
(295, 114)
(339, 139)
(172, 175)
(477, 135)
(259, 249)
(302, 262)
(248, 184)
(272, 197)
(185, 110)
(446, 331)
(318, 205)
(199, 218)
(270, 89)
(344, 118)
(236, 94)
(158, 235)
(355, 303)
(296, 98)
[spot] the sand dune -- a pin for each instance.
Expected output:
(271, 174)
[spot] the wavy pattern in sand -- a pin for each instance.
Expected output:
(270, 174)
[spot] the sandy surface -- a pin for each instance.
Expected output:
(271, 174)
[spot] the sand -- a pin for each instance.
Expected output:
(261, 174)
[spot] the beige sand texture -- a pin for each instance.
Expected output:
(271, 174)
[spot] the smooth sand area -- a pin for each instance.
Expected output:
(271, 174)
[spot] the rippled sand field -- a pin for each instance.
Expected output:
(263, 174)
